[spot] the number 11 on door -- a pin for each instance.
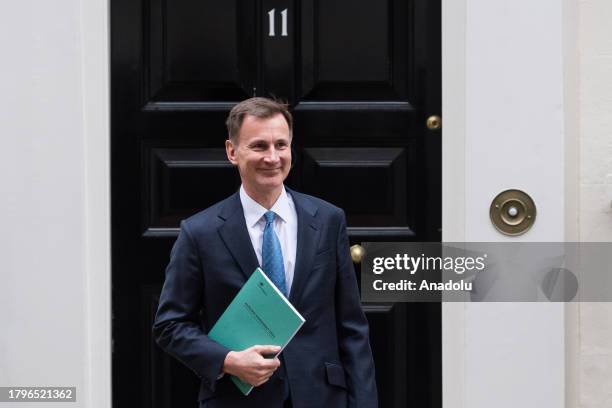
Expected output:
(271, 23)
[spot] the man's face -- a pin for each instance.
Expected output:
(262, 154)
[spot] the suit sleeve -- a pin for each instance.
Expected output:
(353, 333)
(177, 328)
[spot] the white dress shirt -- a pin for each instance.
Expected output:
(285, 226)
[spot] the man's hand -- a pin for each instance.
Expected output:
(250, 365)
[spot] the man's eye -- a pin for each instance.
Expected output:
(259, 146)
(281, 145)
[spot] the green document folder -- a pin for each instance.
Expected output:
(258, 315)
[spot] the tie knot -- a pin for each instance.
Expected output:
(269, 216)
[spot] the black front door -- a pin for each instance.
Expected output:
(361, 78)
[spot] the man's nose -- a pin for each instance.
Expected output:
(272, 154)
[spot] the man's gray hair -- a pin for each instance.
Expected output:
(262, 108)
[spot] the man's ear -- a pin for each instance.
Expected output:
(230, 150)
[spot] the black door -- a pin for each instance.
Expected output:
(361, 77)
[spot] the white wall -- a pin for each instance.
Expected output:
(503, 110)
(54, 296)
(595, 59)
(593, 347)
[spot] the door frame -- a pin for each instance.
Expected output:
(95, 82)
(471, 57)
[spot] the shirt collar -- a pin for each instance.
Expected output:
(253, 211)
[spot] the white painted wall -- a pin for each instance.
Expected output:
(55, 292)
(595, 65)
(592, 352)
(504, 128)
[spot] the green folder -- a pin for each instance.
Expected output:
(258, 315)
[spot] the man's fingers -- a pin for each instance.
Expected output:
(264, 372)
(270, 364)
(262, 380)
(264, 350)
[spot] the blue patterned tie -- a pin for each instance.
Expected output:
(272, 255)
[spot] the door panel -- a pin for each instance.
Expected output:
(360, 77)
(197, 51)
(180, 183)
(373, 192)
(354, 50)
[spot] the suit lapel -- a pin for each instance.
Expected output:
(307, 240)
(236, 237)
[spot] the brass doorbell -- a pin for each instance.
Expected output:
(512, 212)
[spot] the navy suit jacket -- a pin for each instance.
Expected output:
(329, 361)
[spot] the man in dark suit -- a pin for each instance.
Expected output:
(301, 243)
